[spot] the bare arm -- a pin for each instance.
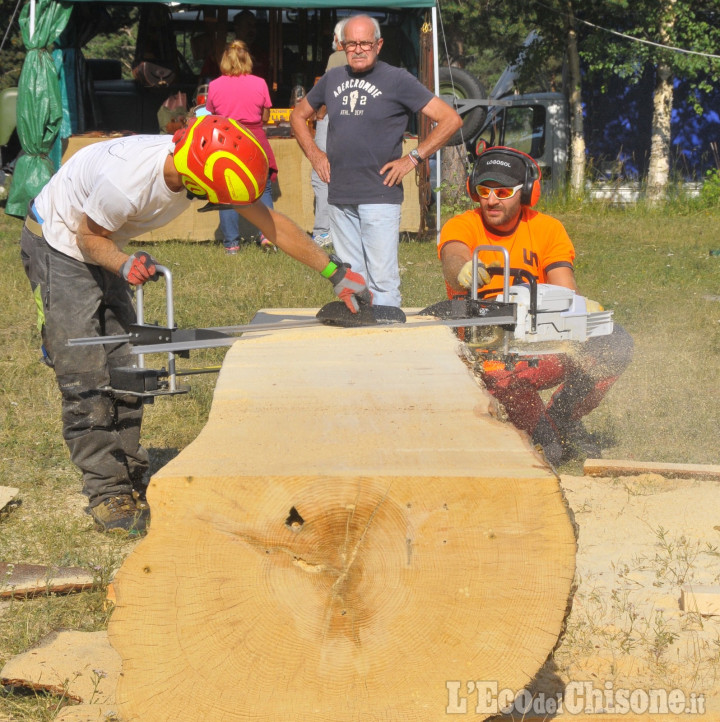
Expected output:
(447, 120)
(298, 122)
(285, 234)
(562, 276)
(454, 256)
(265, 115)
(96, 246)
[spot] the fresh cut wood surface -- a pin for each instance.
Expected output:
(351, 531)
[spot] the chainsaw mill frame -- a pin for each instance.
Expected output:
(469, 312)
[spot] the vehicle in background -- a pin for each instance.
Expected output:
(534, 123)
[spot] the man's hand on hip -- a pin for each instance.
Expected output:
(396, 170)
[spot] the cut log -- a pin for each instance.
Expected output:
(31, 580)
(351, 530)
(88, 713)
(629, 467)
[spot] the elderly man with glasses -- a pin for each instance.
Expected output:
(505, 183)
(368, 104)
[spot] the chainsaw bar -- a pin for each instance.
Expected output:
(158, 339)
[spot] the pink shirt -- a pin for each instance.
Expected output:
(243, 98)
(240, 97)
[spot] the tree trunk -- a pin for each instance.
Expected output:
(577, 132)
(352, 537)
(659, 165)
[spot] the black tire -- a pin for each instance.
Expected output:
(458, 83)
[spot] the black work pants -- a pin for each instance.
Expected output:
(77, 300)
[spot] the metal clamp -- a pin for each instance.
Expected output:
(170, 319)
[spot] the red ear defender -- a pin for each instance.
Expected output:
(471, 190)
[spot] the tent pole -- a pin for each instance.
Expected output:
(32, 18)
(438, 155)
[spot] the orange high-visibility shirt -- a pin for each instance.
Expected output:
(538, 244)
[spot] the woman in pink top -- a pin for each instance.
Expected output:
(244, 97)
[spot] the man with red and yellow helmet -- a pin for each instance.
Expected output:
(71, 246)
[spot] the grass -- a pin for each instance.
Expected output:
(652, 268)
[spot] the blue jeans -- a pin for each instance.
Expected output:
(320, 189)
(366, 236)
(230, 220)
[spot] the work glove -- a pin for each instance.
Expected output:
(140, 267)
(349, 286)
(465, 276)
(593, 306)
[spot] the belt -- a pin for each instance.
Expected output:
(31, 222)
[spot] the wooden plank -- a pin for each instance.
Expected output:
(703, 600)
(7, 494)
(618, 467)
(79, 665)
(30, 580)
(351, 529)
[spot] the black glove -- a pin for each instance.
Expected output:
(140, 267)
(349, 286)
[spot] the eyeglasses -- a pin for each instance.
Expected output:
(502, 193)
(364, 45)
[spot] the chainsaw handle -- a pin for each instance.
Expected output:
(169, 312)
(170, 306)
(505, 270)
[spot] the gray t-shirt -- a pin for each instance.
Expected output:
(368, 115)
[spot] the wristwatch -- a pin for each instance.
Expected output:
(415, 156)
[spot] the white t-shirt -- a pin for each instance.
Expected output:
(119, 184)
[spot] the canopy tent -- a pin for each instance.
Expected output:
(39, 140)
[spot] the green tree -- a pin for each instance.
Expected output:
(676, 38)
(613, 38)
(13, 50)
(111, 33)
(482, 37)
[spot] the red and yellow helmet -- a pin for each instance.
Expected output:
(219, 158)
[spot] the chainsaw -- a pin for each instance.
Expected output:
(528, 313)
(550, 319)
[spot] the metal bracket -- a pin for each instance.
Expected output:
(140, 328)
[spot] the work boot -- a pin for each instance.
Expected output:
(120, 514)
(578, 442)
(546, 437)
(140, 491)
(139, 494)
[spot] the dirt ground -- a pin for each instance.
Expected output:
(641, 539)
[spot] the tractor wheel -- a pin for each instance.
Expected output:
(458, 83)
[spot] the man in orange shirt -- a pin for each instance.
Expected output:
(506, 184)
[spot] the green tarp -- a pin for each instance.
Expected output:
(39, 105)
